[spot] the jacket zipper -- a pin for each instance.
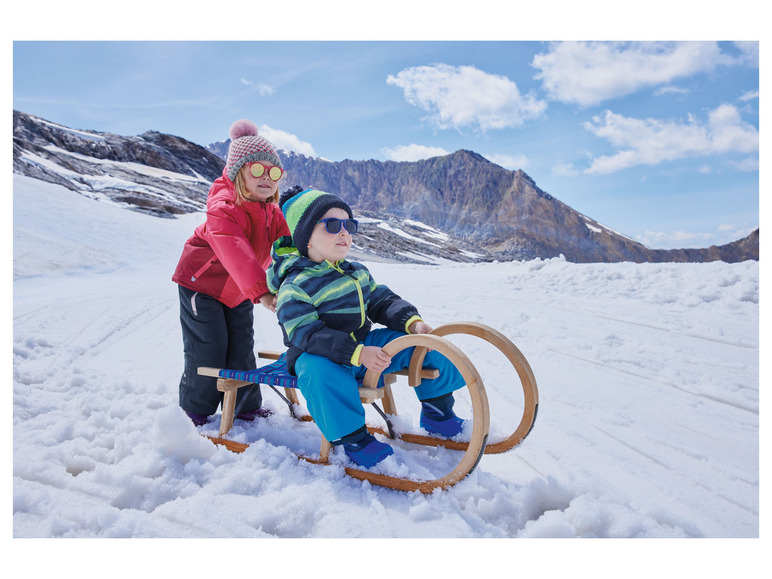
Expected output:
(359, 293)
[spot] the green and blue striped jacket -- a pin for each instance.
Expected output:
(328, 308)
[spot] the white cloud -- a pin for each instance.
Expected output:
(587, 73)
(653, 141)
(459, 97)
(734, 232)
(262, 89)
(691, 239)
(749, 95)
(670, 89)
(675, 239)
(746, 165)
(287, 141)
(749, 50)
(511, 162)
(412, 152)
(265, 90)
(565, 169)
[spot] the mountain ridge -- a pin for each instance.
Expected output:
(502, 209)
(458, 206)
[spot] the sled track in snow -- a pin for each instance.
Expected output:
(113, 328)
(652, 459)
(666, 384)
(675, 332)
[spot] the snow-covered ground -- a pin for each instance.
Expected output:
(648, 423)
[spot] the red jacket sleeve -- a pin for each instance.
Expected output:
(226, 234)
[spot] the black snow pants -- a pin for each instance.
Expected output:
(220, 337)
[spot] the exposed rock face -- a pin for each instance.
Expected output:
(740, 250)
(156, 173)
(500, 212)
(459, 207)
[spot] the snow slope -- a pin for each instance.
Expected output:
(648, 377)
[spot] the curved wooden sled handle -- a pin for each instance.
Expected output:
(480, 415)
(516, 358)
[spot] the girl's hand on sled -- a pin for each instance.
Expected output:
(268, 301)
(374, 358)
(419, 327)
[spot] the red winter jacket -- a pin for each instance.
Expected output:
(226, 257)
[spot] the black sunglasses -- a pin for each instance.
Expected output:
(333, 225)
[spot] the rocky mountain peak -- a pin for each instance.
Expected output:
(459, 206)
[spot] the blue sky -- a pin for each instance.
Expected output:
(657, 140)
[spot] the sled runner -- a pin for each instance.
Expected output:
(375, 387)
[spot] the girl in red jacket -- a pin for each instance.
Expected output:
(221, 273)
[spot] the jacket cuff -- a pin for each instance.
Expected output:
(256, 292)
(410, 321)
(355, 356)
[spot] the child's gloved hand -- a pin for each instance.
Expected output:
(374, 358)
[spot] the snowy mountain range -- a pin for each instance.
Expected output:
(458, 207)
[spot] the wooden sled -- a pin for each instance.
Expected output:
(376, 387)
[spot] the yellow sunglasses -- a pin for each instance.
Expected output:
(258, 169)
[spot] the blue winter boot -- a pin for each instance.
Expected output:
(437, 416)
(364, 449)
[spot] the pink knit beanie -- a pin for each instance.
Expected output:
(247, 147)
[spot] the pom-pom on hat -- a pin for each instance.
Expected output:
(247, 147)
(303, 209)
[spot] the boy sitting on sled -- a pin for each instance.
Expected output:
(326, 306)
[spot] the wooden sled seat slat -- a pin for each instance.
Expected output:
(277, 374)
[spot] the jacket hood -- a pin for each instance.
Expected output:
(287, 260)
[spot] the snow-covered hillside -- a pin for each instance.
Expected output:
(648, 376)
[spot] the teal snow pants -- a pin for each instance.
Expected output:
(331, 390)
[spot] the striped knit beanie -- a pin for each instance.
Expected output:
(303, 209)
(247, 147)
